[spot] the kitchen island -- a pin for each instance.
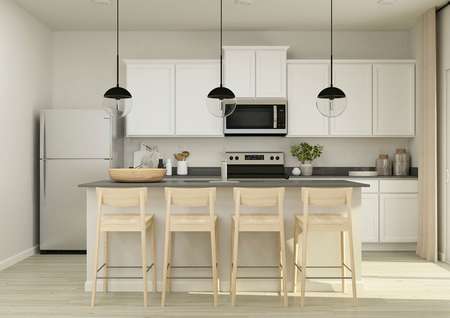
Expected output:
(194, 248)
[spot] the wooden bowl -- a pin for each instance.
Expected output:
(137, 175)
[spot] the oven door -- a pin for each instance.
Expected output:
(256, 120)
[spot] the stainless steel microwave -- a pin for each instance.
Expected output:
(257, 117)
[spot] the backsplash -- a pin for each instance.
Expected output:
(338, 152)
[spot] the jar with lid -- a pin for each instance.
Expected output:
(401, 163)
(384, 165)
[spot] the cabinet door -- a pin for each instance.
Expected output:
(399, 215)
(305, 81)
(271, 73)
(153, 90)
(356, 81)
(193, 83)
(239, 71)
(394, 99)
(369, 218)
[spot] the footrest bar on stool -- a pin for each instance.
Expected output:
(343, 265)
(112, 267)
(263, 266)
(185, 277)
(191, 266)
(325, 277)
(256, 277)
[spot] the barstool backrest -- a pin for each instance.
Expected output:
(190, 198)
(259, 198)
(122, 198)
(326, 198)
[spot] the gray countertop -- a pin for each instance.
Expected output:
(214, 182)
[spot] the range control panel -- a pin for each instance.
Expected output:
(254, 158)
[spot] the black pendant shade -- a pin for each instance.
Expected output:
(331, 101)
(116, 95)
(221, 101)
(117, 92)
(331, 93)
(221, 93)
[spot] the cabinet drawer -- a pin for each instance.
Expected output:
(398, 186)
(373, 185)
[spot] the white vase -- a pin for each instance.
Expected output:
(182, 168)
(307, 168)
(296, 171)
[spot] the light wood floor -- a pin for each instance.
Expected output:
(395, 285)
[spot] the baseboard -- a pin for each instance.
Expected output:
(388, 247)
(10, 261)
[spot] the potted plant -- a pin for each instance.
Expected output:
(305, 154)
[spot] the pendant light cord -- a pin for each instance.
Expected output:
(117, 42)
(220, 48)
(331, 24)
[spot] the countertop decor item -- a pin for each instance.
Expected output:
(296, 171)
(146, 157)
(331, 101)
(221, 101)
(182, 164)
(401, 163)
(118, 98)
(306, 154)
(137, 175)
(384, 165)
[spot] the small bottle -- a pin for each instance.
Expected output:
(160, 163)
(168, 167)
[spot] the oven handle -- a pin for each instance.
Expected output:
(275, 117)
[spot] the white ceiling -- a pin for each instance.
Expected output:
(203, 14)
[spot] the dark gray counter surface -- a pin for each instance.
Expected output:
(204, 182)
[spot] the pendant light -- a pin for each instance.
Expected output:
(331, 101)
(221, 101)
(118, 98)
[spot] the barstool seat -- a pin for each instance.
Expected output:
(258, 223)
(323, 219)
(124, 222)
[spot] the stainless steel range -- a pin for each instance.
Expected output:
(256, 165)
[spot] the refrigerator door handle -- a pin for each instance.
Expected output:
(44, 178)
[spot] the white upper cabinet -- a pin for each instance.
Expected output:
(394, 99)
(239, 72)
(193, 83)
(256, 71)
(356, 82)
(153, 88)
(305, 81)
(271, 73)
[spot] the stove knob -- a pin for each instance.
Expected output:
(231, 158)
(236, 158)
(271, 157)
(277, 157)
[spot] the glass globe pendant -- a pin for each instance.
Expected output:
(118, 99)
(331, 101)
(221, 101)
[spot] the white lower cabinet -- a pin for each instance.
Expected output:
(399, 214)
(369, 218)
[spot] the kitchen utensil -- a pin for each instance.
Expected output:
(137, 175)
(182, 168)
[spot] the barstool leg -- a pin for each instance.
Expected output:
(214, 263)
(95, 264)
(341, 242)
(165, 265)
(235, 265)
(231, 256)
(106, 261)
(144, 265)
(218, 256)
(154, 278)
(303, 267)
(295, 257)
(169, 269)
(352, 260)
(283, 266)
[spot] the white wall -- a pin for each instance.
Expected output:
(83, 66)
(25, 53)
(443, 29)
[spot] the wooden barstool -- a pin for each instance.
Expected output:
(124, 222)
(324, 198)
(274, 222)
(198, 222)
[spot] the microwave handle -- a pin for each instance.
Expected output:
(275, 117)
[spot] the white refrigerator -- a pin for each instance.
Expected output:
(76, 146)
